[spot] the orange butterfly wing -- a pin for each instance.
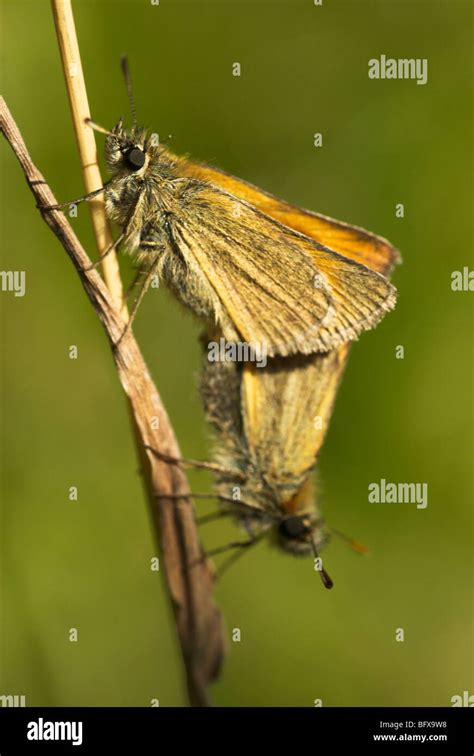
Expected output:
(356, 243)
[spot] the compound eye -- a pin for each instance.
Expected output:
(135, 158)
(293, 527)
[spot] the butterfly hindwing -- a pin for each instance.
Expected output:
(286, 409)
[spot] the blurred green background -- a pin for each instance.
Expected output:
(86, 564)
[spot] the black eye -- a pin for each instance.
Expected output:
(292, 527)
(135, 158)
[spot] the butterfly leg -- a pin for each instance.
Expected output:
(217, 515)
(145, 286)
(84, 198)
(239, 547)
(140, 272)
(189, 495)
(230, 547)
(110, 249)
(198, 464)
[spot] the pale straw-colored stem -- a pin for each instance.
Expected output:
(77, 93)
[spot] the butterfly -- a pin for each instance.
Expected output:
(258, 268)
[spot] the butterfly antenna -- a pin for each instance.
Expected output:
(360, 548)
(128, 84)
(326, 580)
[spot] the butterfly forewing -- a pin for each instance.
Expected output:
(351, 241)
(276, 286)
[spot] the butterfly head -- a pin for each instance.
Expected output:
(302, 534)
(298, 533)
(128, 151)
